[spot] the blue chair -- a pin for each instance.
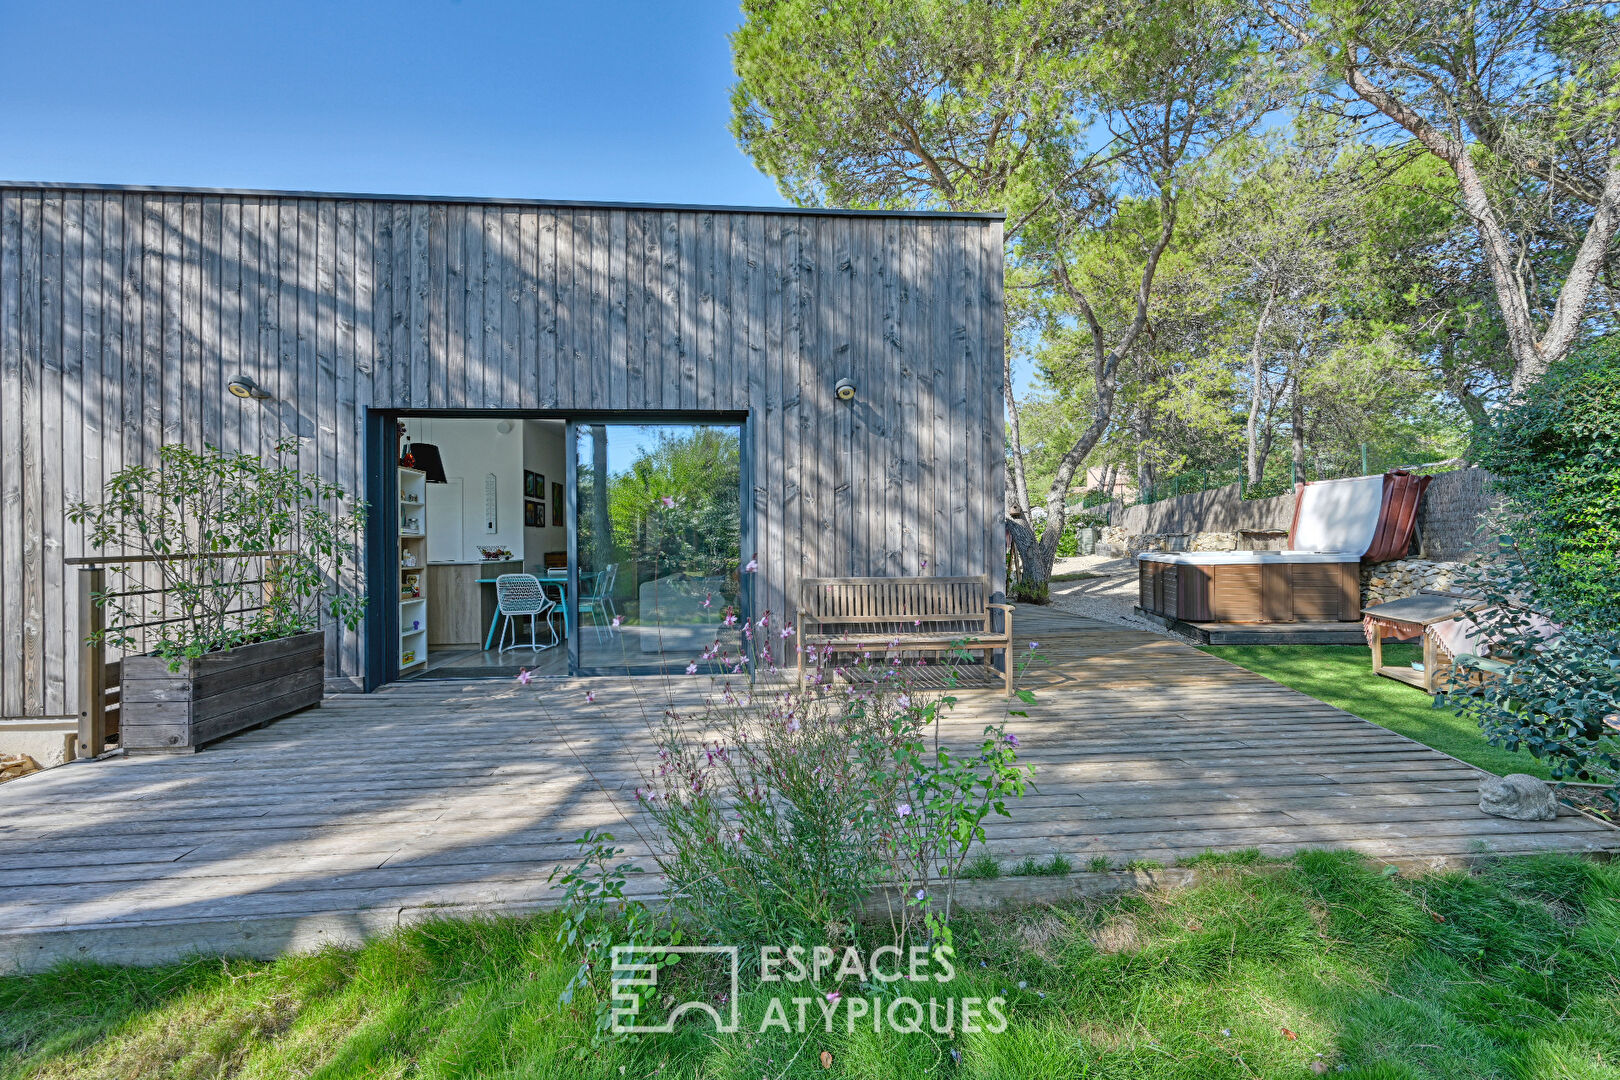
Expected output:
(517, 596)
(599, 601)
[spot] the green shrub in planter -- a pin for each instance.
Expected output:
(219, 633)
(210, 502)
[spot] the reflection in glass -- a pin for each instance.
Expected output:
(659, 544)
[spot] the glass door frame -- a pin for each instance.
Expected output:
(742, 422)
(382, 529)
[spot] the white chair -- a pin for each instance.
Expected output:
(519, 595)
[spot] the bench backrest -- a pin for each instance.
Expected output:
(896, 603)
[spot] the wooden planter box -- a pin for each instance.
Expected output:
(175, 712)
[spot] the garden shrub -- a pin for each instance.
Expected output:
(779, 812)
(1555, 457)
(1552, 602)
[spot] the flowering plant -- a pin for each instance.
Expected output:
(780, 811)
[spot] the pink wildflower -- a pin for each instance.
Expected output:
(833, 996)
(524, 677)
(618, 620)
(752, 567)
(590, 696)
(668, 501)
(691, 669)
(903, 810)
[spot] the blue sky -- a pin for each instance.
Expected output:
(617, 100)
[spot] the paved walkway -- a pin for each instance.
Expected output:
(372, 810)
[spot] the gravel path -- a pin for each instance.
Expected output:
(1108, 597)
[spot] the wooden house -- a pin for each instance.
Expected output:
(127, 312)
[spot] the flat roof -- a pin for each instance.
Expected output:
(555, 204)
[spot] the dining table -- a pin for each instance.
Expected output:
(548, 584)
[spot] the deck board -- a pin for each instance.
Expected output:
(461, 796)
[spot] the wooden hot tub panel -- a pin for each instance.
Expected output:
(1251, 592)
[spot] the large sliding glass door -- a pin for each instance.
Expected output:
(658, 561)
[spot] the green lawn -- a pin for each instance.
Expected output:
(1318, 965)
(1341, 675)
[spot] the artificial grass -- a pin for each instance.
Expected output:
(1322, 964)
(1342, 676)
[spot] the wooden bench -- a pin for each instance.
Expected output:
(903, 614)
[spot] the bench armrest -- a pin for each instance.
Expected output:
(1007, 611)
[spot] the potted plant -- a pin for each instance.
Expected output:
(233, 562)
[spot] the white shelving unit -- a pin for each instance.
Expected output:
(413, 605)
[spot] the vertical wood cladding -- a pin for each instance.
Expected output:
(123, 314)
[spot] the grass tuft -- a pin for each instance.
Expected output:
(1056, 866)
(982, 867)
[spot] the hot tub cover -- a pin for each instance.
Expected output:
(1243, 558)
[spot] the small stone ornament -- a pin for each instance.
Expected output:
(1518, 797)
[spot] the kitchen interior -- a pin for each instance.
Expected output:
(480, 498)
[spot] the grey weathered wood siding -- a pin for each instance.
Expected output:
(124, 312)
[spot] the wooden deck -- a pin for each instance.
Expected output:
(432, 797)
(1284, 633)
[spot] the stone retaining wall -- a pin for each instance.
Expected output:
(1406, 577)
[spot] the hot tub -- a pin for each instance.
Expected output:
(1337, 525)
(1251, 586)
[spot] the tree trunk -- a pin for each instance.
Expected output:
(1267, 439)
(1020, 482)
(1105, 373)
(1256, 461)
(1296, 420)
(1032, 566)
(1144, 467)
(601, 523)
(1532, 354)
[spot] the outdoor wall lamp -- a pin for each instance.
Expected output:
(244, 387)
(845, 390)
